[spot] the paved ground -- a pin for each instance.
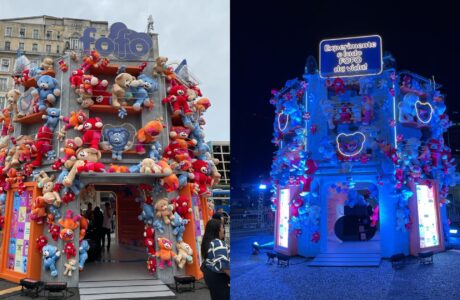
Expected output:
(201, 292)
(252, 278)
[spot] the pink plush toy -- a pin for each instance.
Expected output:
(91, 132)
(201, 177)
(177, 97)
(149, 240)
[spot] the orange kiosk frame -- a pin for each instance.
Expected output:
(429, 205)
(34, 260)
(285, 239)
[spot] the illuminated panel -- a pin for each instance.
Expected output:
(283, 221)
(427, 217)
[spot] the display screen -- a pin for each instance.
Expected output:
(283, 220)
(19, 232)
(427, 217)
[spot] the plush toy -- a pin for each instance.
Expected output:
(202, 105)
(87, 83)
(211, 208)
(367, 110)
(54, 231)
(100, 94)
(69, 250)
(70, 224)
(147, 134)
(87, 160)
(47, 64)
(23, 150)
(179, 140)
(158, 226)
(296, 204)
(178, 99)
(38, 212)
(41, 242)
(160, 66)
(120, 89)
(49, 195)
(50, 256)
(181, 206)
(149, 240)
(184, 254)
(63, 66)
(83, 253)
(165, 254)
(201, 177)
(163, 210)
(70, 266)
(83, 227)
(75, 120)
(148, 166)
(170, 183)
(140, 88)
(48, 91)
(76, 79)
(42, 144)
(147, 215)
(12, 98)
(91, 129)
(152, 264)
(117, 169)
(91, 60)
(407, 111)
(117, 140)
(178, 225)
(69, 151)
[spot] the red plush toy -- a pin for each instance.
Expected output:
(179, 140)
(177, 97)
(54, 230)
(42, 144)
(87, 84)
(152, 264)
(76, 79)
(201, 177)
(41, 242)
(296, 204)
(69, 250)
(91, 60)
(100, 94)
(182, 207)
(63, 66)
(149, 240)
(91, 129)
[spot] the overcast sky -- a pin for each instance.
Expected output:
(197, 30)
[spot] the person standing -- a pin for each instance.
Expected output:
(107, 225)
(216, 260)
(98, 218)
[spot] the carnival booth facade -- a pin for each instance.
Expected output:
(361, 166)
(109, 118)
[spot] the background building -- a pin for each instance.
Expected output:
(221, 151)
(39, 37)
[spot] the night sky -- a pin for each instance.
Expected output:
(271, 40)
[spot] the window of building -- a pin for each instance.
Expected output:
(22, 32)
(7, 45)
(74, 43)
(35, 34)
(48, 48)
(58, 35)
(21, 46)
(3, 84)
(57, 49)
(34, 62)
(5, 66)
(8, 31)
(35, 47)
(49, 34)
(2, 102)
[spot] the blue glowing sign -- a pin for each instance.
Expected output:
(348, 57)
(122, 42)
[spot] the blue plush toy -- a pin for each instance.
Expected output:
(201, 149)
(116, 139)
(158, 226)
(83, 253)
(47, 91)
(178, 225)
(50, 256)
(55, 211)
(147, 215)
(156, 151)
(52, 118)
(141, 89)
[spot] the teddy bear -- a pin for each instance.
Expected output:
(70, 266)
(160, 66)
(87, 84)
(38, 212)
(178, 225)
(181, 206)
(170, 183)
(177, 97)
(147, 134)
(47, 185)
(149, 240)
(75, 119)
(147, 215)
(165, 253)
(91, 60)
(48, 91)
(407, 108)
(42, 144)
(54, 231)
(47, 64)
(152, 264)
(91, 129)
(12, 98)
(75, 79)
(100, 95)
(69, 250)
(83, 253)
(117, 140)
(164, 210)
(149, 166)
(184, 254)
(41, 242)
(202, 104)
(295, 205)
(70, 224)
(141, 89)
(52, 118)
(23, 150)
(50, 256)
(120, 89)
(87, 159)
(201, 177)
(179, 140)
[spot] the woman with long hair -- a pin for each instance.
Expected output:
(216, 260)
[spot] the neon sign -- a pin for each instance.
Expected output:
(353, 56)
(283, 221)
(350, 145)
(122, 42)
(427, 217)
(418, 114)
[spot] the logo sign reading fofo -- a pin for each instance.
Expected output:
(122, 42)
(348, 57)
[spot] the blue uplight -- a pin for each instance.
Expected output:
(262, 186)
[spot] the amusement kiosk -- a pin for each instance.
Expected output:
(361, 165)
(114, 117)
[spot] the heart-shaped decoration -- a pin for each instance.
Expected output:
(424, 111)
(350, 144)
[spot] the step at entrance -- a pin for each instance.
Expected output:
(124, 289)
(346, 260)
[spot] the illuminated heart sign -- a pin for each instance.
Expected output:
(350, 144)
(424, 111)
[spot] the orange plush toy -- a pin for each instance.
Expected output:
(148, 134)
(70, 224)
(38, 213)
(165, 254)
(83, 227)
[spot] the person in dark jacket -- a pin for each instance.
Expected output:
(98, 219)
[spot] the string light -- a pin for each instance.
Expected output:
(279, 122)
(418, 115)
(344, 134)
